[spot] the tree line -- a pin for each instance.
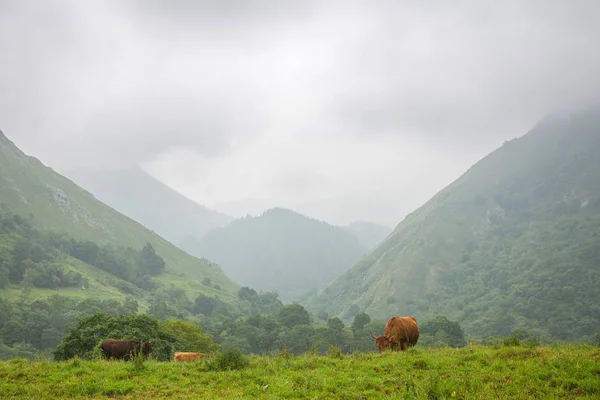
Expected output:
(34, 258)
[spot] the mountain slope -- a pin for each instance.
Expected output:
(140, 196)
(369, 234)
(51, 201)
(514, 242)
(280, 250)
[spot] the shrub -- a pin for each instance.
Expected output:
(138, 360)
(523, 337)
(229, 359)
(512, 340)
(334, 352)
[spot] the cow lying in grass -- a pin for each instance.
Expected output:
(400, 332)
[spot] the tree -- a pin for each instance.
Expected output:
(90, 331)
(82, 338)
(293, 314)
(152, 263)
(335, 324)
(443, 331)
(298, 339)
(13, 331)
(204, 305)
(85, 251)
(131, 305)
(246, 293)
(335, 332)
(189, 337)
(359, 322)
(3, 276)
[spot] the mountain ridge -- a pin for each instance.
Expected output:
(280, 250)
(444, 257)
(31, 189)
(142, 197)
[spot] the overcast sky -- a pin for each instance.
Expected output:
(343, 110)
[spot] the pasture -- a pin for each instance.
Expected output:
(473, 372)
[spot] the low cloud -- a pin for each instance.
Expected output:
(284, 101)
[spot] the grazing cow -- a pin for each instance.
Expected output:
(182, 356)
(400, 332)
(124, 349)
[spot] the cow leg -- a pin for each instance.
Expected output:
(107, 354)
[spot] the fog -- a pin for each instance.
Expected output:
(342, 110)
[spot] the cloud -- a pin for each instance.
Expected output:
(302, 103)
(474, 69)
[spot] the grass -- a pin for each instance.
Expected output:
(473, 372)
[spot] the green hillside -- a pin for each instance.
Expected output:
(280, 250)
(140, 196)
(513, 243)
(51, 201)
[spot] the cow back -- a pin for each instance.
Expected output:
(402, 330)
(119, 348)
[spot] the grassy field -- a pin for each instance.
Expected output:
(474, 372)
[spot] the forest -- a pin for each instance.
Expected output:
(255, 323)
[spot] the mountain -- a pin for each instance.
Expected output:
(280, 250)
(140, 196)
(49, 201)
(369, 234)
(244, 207)
(512, 243)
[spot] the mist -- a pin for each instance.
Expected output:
(341, 110)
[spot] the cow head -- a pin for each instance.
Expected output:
(382, 342)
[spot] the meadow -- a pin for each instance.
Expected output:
(472, 372)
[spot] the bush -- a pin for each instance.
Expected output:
(512, 340)
(229, 359)
(334, 352)
(522, 337)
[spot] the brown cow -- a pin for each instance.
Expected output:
(124, 349)
(399, 331)
(182, 356)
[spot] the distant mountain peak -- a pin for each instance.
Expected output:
(280, 250)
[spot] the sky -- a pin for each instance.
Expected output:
(342, 110)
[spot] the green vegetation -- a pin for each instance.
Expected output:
(166, 336)
(28, 329)
(280, 250)
(140, 196)
(42, 259)
(514, 243)
(472, 372)
(49, 201)
(440, 331)
(257, 323)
